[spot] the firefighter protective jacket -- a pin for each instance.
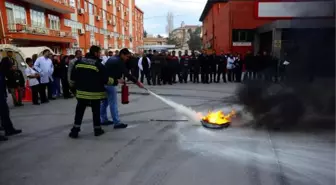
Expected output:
(89, 76)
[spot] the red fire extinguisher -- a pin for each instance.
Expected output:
(124, 94)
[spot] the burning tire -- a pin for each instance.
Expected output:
(214, 125)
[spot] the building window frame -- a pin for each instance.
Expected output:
(19, 14)
(54, 22)
(90, 8)
(72, 3)
(37, 18)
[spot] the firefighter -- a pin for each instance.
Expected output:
(89, 77)
(185, 67)
(156, 68)
(174, 60)
(195, 67)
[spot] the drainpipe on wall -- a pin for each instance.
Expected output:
(3, 28)
(230, 27)
(213, 28)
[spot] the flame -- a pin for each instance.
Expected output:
(219, 117)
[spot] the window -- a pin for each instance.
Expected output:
(91, 29)
(242, 35)
(37, 18)
(85, 6)
(90, 8)
(15, 14)
(54, 22)
(78, 3)
(72, 3)
(104, 14)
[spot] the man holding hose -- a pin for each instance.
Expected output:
(116, 68)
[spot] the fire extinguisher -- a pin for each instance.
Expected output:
(124, 94)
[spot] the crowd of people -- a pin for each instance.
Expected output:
(93, 78)
(160, 68)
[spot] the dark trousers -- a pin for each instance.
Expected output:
(35, 92)
(184, 75)
(43, 88)
(168, 74)
(178, 73)
(219, 73)
(238, 74)
(147, 75)
(65, 87)
(156, 76)
(191, 74)
(213, 72)
(43, 95)
(196, 75)
(230, 75)
(6, 122)
(80, 109)
(135, 72)
(205, 75)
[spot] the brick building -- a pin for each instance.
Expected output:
(67, 25)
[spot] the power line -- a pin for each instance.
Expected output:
(163, 16)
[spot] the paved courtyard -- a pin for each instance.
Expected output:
(160, 147)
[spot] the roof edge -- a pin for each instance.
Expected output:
(136, 7)
(208, 6)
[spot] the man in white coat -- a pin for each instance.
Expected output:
(45, 68)
(144, 65)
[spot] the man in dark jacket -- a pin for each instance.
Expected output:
(221, 67)
(165, 70)
(6, 122)
(156, 68)
(144, 65)
(134, 66)
(249, 64)
(185, 64)
(174, 61)
(213, 66)
(203, 59)
(195, 66)
(116, 68)
(7, 63)
(89, 77)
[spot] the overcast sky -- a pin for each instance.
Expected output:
(155, 12)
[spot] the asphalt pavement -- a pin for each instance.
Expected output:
(161, 147)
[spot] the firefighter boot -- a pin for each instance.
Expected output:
(74, 132)
(98, 132)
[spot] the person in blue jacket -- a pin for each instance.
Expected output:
(6, 122)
